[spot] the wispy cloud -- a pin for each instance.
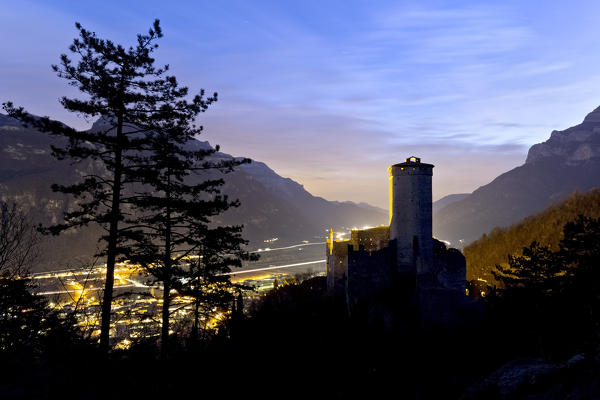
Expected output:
(330, 93)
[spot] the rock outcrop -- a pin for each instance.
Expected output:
(568, 161)
(573, 145)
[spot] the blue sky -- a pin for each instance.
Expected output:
(329, 93)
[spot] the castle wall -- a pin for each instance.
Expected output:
(337, 265)
(441, 303)
(449, 268)
(371, 275)
(391, 274)
(370, 239)
(337, 253)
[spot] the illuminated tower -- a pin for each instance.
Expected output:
(410, 216)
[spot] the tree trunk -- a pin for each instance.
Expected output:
(111, 255)
(167, 275)
(195, 327)
(165, 320)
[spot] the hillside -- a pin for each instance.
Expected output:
(545, 228)
(271, 206)
(569, 160)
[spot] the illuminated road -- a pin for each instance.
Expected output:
(73, 290)
(64, 273)
(275, 267)
(134, 283)
(79, 291)
(287, 247)
(275, 259)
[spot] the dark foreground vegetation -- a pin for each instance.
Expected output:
(536, 337)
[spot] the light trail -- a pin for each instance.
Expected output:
(65, 273)
(100, 269)
(287, 247)
(274, 267)
(79, 290)
(136, 283)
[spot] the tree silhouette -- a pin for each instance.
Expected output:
(27, 326)
(21, 312)
(554, 296)
(537, 271)
(171, 234)
(207, 279)
(18, 241)
(135, 98)
(580, 251)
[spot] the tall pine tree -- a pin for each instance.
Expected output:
(171, 234)
(208, 279)
(136, 98)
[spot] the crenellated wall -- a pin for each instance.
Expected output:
(370, 239)
(337, 265)
(337, 253)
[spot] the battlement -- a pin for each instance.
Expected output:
(337, 246)
(337, 263)
(370, 239)
(411, 166)
(384, 271)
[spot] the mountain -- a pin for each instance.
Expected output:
(447, 200)
(271, 206)
(568, 161)
(545, 228)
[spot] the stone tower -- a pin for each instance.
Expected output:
(410, 217)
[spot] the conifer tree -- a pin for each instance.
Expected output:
(538, 271)
(207, 280)
(135, 98)
(554, 296)
(580, 252)
(172, 235)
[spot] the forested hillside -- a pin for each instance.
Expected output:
(546, 228)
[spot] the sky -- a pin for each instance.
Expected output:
(330, 93)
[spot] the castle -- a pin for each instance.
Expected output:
(390, 270)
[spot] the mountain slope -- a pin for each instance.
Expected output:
(271, 206)
(447, 200)
(546, 228)
(568, 161)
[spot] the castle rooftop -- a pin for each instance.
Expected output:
(412, 162)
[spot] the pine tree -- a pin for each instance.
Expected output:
(553, 296)
(208, 281)
(580, 251)
(135, 98)
(538, 271)
(172, 236)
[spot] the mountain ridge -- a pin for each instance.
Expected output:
(568, 161)
(271, 205)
